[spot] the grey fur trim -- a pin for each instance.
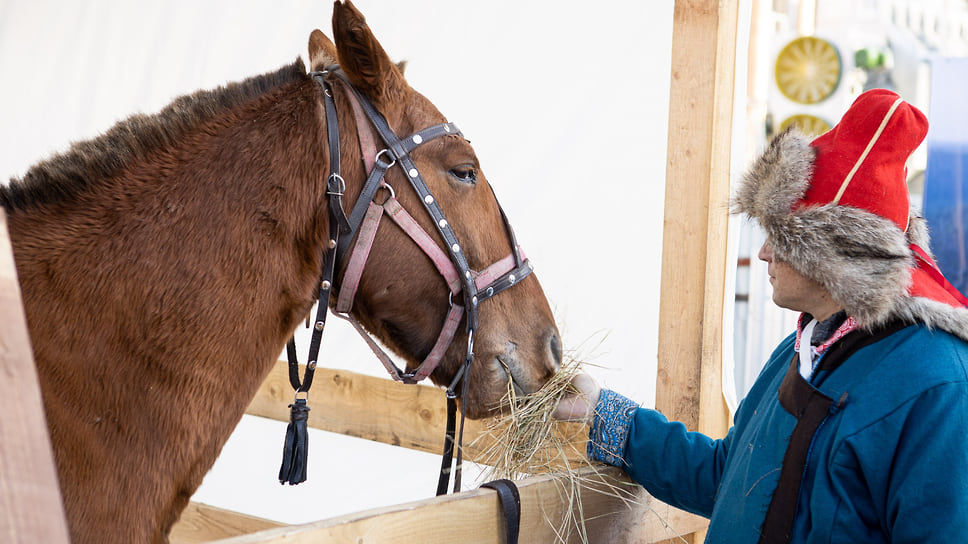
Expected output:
(936, 315)
(861, 258)
(917, 232)
(777, 180)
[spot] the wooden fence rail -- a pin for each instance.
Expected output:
(475, 517)
(414, 417)
(411, 416)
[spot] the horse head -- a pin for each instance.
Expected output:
(402, 298)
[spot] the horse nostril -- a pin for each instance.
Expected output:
(555, 344)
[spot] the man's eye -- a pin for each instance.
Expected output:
(465, 174)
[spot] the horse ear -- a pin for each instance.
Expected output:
(362, 57)
(322, 51)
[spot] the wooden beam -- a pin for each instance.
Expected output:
(694, 233)
(475, 517)
(380, 409)
(30, 502)
(689, 382)
(203, 523)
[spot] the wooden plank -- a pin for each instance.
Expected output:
(689, 380)
(689, 384)
(203, 523)
(474, 517)
(380, 409)
(30, 503)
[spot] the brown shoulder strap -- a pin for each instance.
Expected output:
(811, 408)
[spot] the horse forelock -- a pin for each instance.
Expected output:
(63, 176)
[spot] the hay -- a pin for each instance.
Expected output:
(526, 440)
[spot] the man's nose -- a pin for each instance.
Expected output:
(766, 253)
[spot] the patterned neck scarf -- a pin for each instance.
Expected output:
(825, 334)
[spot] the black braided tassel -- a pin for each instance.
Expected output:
(294, 454)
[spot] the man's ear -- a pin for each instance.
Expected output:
(362, 58)
(322, 51)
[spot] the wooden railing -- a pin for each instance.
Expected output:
(414, 417)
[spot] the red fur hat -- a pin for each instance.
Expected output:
(837, 210)
(860, 162)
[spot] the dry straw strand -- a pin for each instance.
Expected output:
(527, 440)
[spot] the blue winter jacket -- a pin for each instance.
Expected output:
(880, 455)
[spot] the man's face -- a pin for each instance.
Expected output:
(794, 291)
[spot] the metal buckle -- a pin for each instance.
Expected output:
(341, 187)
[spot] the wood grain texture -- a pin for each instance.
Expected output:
(474, 517)
(203, 523)
(380, 409)
(689, 385)
(30, 502)
(694, 233)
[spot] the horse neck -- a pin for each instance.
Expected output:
(175, 283)
(251, 194)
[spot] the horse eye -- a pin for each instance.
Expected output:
(465, 174)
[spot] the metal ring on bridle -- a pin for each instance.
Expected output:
(387, 151)
(388, 187)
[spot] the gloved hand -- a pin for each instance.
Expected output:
(580, 405)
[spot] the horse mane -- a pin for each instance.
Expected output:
(63, 176)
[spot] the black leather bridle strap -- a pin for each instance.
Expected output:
(510, 499)
(400, 149)
(453, 440)
(396, 152)
(294, 461)
(337, 222)
(400, 152)
(465, 386)
(370, 187)
(335, 185)
(447, 458)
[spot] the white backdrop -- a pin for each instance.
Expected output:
(565, 102)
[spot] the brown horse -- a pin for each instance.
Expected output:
(164, 265)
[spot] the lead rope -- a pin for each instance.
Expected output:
(296, 448)
(448, 454)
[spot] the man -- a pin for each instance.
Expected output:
(856, 429)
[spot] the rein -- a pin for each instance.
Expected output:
(362, 223)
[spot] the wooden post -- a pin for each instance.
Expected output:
(30, 503)
(689, 381)
(689, 385)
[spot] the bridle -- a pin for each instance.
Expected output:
(361, 224)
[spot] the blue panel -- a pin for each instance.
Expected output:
(945, 196)
(946, 176)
